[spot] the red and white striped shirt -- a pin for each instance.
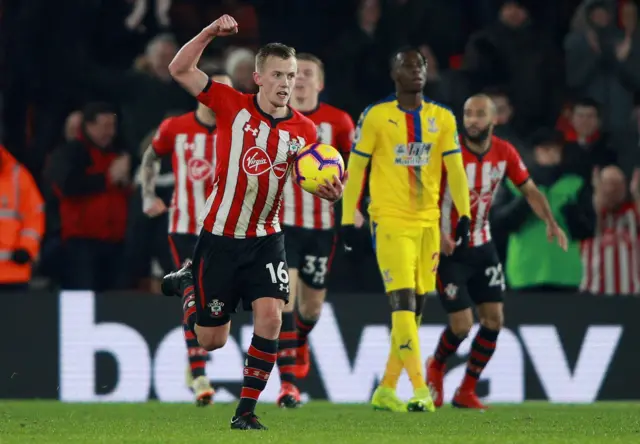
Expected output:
(303, 209)
(254, 153)
(610, 260)
(484, 174)
(192, 145)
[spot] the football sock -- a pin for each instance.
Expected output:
(189, 308)
(482, 348)
(447, 345)
(405, 333)
(260, 360)
(287, 343)
(197, 355)
(304, 327)
(394, 367)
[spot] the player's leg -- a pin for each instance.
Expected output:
(314, 273)
(211, 273)
(454, 298)
(289, 396)
(264, 284)
(396, 253)
(486, 290)
(181, 247)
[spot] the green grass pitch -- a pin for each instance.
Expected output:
(317, 422)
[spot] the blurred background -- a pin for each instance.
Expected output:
(565, 75)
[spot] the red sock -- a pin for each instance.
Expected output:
(482, 348)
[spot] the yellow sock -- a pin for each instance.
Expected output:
(394, 367)
(418, 320)
(405, 333)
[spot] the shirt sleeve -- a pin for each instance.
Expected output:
(364, 139)
(449, 139)
(516, 169)
(219, 98)
(164, 140)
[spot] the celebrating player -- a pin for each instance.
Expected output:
(407, 139)
(309, 235)
(190, 139)
(240, 252)
(474, 275)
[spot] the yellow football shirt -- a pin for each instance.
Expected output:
(406, 150)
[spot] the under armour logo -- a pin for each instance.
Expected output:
(394, 122)
(406, 346)
(284, 288)
(249, 129)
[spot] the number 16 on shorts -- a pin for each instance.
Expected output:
(279, 275)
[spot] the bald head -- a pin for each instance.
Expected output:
(612, 173)
(612, 186)
(479, 118)
(481, 101)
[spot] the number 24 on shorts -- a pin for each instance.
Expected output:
(279, 274)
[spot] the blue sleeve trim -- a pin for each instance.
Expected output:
(360, 153)
(446, 153)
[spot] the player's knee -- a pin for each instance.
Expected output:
(267, 318)
(211, 342)
(461, 323)
(310, 304)
(402, 300)
(493, 321)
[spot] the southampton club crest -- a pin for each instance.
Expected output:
(451, 291)
(294, 146)
(216, 307)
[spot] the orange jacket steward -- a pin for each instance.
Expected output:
(21, 220)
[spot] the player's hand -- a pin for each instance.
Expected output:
(462, 232)
(349, 237)
(554, 232)
(332, 191)
(358, 219)
(222, 27)
(153, 206)
(447, 244)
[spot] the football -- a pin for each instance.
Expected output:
(315, 164)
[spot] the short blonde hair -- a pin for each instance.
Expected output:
(279, 50)
(308, 57)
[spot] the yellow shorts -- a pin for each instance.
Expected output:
(407, 256)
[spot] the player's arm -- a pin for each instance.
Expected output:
(161, 145)
(456, 175)
(344, 137)
(519, 176)
(364, 142)
(184, 66)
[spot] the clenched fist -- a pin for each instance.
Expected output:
(224, 26)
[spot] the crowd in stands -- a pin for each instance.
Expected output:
(85, 85)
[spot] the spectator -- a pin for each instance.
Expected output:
(504, 125)
(21, 223)
(91, 180)
(240, 65)
(532, 263)
(586, 146)
(145, 95)
(603, 62)
(610, 257)
(512, 53)
(357, 57)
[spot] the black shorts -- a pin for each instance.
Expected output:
(181, 246)
(227, 271)
(310, 252)
(470, 276)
